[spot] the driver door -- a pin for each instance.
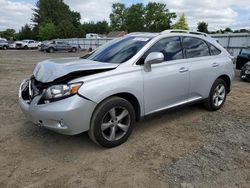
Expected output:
(167, 84)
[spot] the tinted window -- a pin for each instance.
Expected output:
(245, 51)
(214, 50)
(195, 47)
(170, 47)
(120, 50)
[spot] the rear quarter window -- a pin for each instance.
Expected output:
(214, 50)
(195, 47)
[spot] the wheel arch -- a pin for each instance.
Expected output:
(130, 98)
(227, 79)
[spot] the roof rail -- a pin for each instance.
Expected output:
(184, 31)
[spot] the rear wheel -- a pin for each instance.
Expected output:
(217, 96)
(5, 47)
(74, 50)
(51, 50)
(25, 47)
(112, 122)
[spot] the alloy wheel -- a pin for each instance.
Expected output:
(115, 123)
(219, 95)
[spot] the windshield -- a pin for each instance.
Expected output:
(119, 50)
(245, 51)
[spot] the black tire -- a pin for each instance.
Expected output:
(51, 50)
(5, 47)
(210, 104)
(95, 131)
(25, 47)
(74, 50)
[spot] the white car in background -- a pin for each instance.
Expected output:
(26, 44)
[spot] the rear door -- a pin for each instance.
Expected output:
(166, 85)
(204, 66)
(60, 45)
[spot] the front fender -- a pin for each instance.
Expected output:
(99, 89)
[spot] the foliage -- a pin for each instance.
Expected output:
(153, 17)
(158, 17)
(117, 17)
(26, 32)
(8, 34)
(228, 30)
(181, 23)
(66, 23)
(202, 27)
(134, 18)
(100, 27)
(47, 31)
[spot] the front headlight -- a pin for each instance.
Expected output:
(61, 91)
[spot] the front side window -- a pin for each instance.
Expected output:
(170, 47)
(195, 47)
(119, 50)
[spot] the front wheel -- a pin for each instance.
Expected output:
(5, 47)
(112, 122)
(217, 96)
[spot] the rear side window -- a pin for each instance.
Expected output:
(195, 47)
(170, 47)
(214, 50)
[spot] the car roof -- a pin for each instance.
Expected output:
(176, 32)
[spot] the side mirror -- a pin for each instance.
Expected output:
(153, 58)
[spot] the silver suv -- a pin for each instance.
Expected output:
(126, 79)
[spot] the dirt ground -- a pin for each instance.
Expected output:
(188, 147)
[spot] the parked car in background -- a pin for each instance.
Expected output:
(245, 72)
(92, 36)
(126, 79)
(27, 44)
(59, 46)
(4, 44)
(43, 45)
(243, 58)
(243, 63)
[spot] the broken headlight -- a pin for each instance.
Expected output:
(61, 91)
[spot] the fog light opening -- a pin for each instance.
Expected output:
(61, 124)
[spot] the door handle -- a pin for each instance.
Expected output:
(215, 64)
(183, 69)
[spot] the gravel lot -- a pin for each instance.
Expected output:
(188, 147)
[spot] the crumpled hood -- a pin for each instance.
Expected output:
(49, 70)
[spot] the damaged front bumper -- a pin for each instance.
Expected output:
(68, 116)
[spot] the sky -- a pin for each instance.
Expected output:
(218, 14)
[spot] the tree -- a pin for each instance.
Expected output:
(47, 31)
(228, 30)
(158, 17)
(134, 18)
(117, 17)
(202, 27)
(153, 17)
(8, 34)
(181, 23)
(66, 22)
(100, 27)
(26, 32)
